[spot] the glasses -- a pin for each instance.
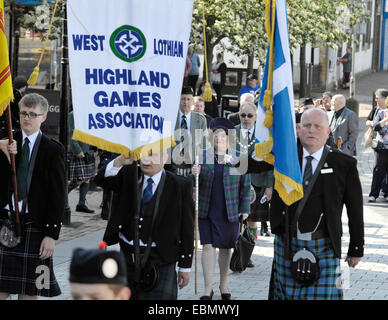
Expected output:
(30, 115)
(244, 115)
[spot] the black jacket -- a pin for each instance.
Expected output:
(342, 187)
(173, 231)
(46, 197)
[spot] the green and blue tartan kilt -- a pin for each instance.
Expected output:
(284, 287)
(167, 286)
(19, 266)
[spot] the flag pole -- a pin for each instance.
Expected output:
(196, 224)
(13, 171)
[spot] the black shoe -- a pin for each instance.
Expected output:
(207, 297)
(225, 296)
(250, 264)
(83, 208)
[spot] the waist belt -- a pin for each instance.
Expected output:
(318, 234)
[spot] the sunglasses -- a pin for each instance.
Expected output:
(244, 115)
(30, 115)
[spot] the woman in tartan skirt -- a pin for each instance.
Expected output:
(81, 167)
(223, 196)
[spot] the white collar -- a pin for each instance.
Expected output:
(316, 155)
(182, 114)
(31, 138)
(156, 178)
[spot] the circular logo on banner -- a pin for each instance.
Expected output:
(128, 43)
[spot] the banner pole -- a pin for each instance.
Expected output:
(13, 171)
(196, 224)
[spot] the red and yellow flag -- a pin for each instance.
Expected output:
(6, 93)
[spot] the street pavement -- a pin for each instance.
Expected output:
(368, 281)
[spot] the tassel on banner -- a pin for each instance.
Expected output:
(34, 75)
(208, 94)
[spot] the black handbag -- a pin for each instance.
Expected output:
(8, 234)
(149, 277)
(10, 237)
(243, 249)
(305, 268)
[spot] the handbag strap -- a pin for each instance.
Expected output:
(156, 209)
(136, 231)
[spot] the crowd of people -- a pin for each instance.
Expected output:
(156, 233)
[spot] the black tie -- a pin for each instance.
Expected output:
(147, 195)
(22, 171)
(183, 127)
(308, 172)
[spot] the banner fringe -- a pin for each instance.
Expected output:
(5, 104)
(294, 195)
(121, 149)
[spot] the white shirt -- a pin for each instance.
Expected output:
(314, 162)
(112, 171)
(32, 139)
(245, 132)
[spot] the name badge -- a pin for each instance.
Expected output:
(328, 170)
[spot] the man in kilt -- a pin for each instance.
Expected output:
(41, 194)
(81, 167)
(170, 236)
(330, 180)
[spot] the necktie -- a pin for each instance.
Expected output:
(308, 172)
(147, 195)
(184, 122)
(183, 127)
(22, 171)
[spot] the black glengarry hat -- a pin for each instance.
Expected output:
(94, 266)
(187, 90)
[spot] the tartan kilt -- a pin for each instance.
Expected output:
(18, 266)
(79, 170)
(282, 285)
(167, 286)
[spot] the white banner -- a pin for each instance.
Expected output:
(127, 60)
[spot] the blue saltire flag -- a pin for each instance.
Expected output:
(282, 133)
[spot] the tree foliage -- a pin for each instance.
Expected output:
(242, 22)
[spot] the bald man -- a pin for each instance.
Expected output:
(344, 125)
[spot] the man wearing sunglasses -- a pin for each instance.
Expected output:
(40, 171)
(261, 182)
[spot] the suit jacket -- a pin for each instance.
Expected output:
(340, 187)
(236, 188)
(173, 231)
(46, 196)
(346, 127)
(198, 121)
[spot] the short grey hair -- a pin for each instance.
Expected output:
(248, 104)
(316, 110)
(245, 96)
(32, 100)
